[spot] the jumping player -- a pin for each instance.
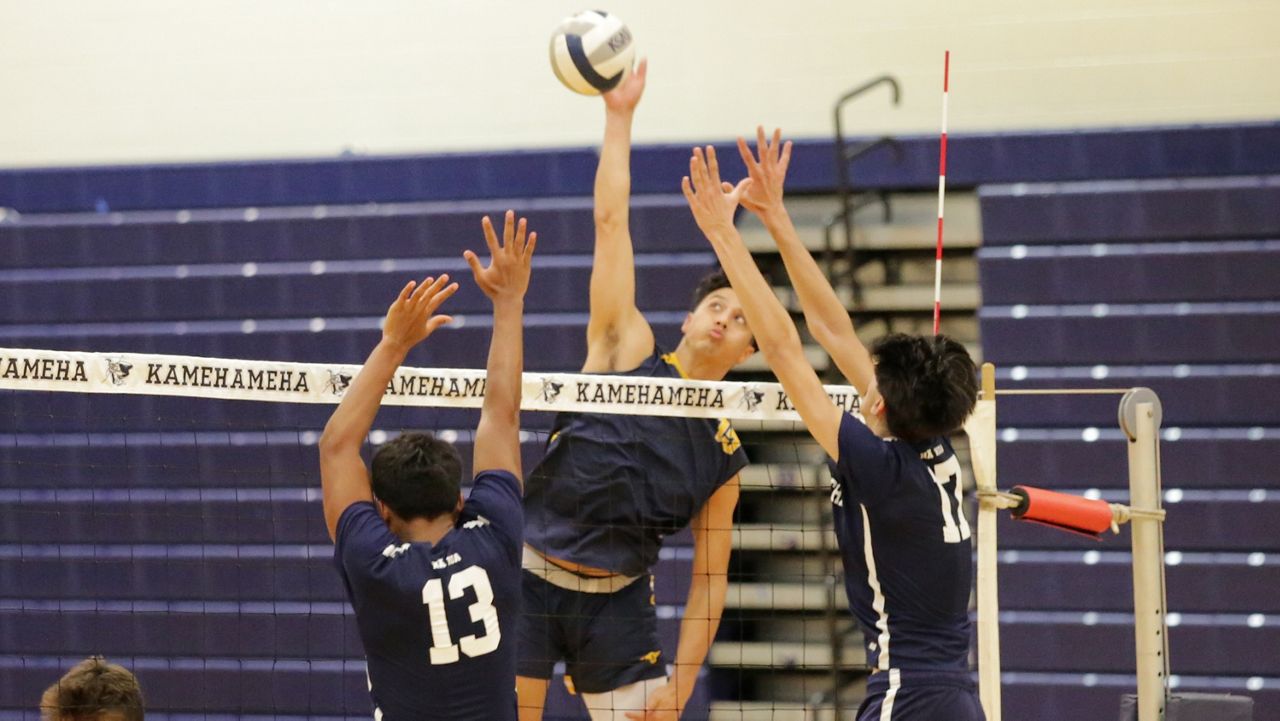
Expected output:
(612, 487)
(896, 485)
(434, 581)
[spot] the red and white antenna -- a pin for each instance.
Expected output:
(942, 187)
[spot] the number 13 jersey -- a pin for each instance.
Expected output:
(438, 620)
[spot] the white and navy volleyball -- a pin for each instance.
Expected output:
(591, 52)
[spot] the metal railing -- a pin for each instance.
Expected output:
(846, 154)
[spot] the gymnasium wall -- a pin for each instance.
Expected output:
(112, 81)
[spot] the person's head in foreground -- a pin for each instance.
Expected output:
(414, 476)
(925, 386)
(715, 326)
(93, 690)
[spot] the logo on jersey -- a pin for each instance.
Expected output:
(550, 390)
(393, 550)
(337, 383)
(728, 437)
(118, 371)
(651, 657)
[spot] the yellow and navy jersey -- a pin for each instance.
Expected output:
(438, 621)
(905, 546)
(611, 487)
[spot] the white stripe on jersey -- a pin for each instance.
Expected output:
(377, 712)
(895, 682)
(877, 600)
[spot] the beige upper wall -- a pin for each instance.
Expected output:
(101, 81)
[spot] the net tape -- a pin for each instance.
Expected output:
(250, 380)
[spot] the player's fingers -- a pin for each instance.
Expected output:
(490, 237)
(441, 297)
(474, 261)
(522, 228)
(435, 321)
(508, 228)
(786, 158)
(713, 166)
(685, 187)
(423, 288)
(777, 143)
(747, 158)
(762, 145)
(406, 291)
(530, 245)
(698, 170)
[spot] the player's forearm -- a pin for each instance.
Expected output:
(613, 173)
(500, 414)
(703, 610)
(826, 316)
(350, 423)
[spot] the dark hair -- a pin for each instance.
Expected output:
(929, 384)
(714, 280)
(91, 688)
(417, 476)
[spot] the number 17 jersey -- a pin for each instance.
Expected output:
(438, 620)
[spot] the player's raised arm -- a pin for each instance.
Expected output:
(825, 315)
(713, 204)
(618, 336)
(410, 319)
(504, 281)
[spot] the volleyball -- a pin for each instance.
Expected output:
(591, 52)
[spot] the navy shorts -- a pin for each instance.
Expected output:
(607, 640)
(921, 696)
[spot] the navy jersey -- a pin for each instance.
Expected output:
(611, 487)
(438, 621)
(905, 546)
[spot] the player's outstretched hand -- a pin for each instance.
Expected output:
(626, 96)
(712, 201)
(410, 319)
(767, 170)
(507, 276)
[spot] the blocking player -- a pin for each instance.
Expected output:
(611, 487)
(93, 690)
(896, 484)
(435, 581)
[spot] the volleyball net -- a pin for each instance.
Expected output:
(164, 511)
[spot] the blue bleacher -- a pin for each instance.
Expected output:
(415, 230)
(1200, 458)
(975, 159)
(1171, 283)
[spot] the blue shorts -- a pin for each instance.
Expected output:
(607, 640)
(921, 696)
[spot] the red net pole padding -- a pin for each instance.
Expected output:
(1061, 510)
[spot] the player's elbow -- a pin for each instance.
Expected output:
(609, 220)
(780, 343)
(332, 443)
